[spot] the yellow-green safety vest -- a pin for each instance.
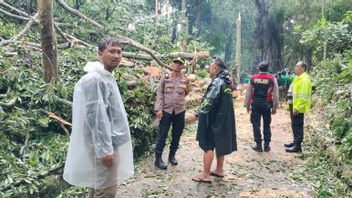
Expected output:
(302, 93)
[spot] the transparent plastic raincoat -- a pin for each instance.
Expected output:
(100, 128)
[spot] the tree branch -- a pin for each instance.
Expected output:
(130, 41)
(14, 15)
(9, 104)
(143, 48)
(76, 40)
(4, 4)
(61, 32)
(19, 35)
(55, 117)
(5, 95)
(185, 55)
(63, 101)
(78, 13)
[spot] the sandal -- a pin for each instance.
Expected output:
(197, 178)
(212, 173)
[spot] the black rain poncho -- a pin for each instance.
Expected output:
(217, 118)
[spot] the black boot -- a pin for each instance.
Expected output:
(172, 158)
(159, 163)
(295, 149)
(266, 147)
(258, 147)
(289, 145)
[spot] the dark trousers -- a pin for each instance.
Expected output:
(261, 110)
(178, 124)
(297, 127)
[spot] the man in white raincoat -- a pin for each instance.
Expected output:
(100, 150)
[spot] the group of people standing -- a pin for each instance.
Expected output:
(100, 148)
(216, 127)
(262, 97)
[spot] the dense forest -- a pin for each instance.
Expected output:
(44, 45)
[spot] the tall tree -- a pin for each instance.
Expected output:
(48, 39)
(238, 47)
(184, 26)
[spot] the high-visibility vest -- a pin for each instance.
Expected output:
(302, 93)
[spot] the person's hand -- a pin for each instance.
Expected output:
(273, 111)
(295, 112)
(248, 109)
(108, 160)
(159, 114)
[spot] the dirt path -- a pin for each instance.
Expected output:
(247, 173)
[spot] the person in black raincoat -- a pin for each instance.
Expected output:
(216, 127)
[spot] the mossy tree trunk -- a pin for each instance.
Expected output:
(47, 39)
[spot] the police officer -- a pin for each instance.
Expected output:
(171, 107)
(262, 96)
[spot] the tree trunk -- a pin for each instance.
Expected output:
(199, 6)
(238, 48)
(48, 39)
(184, 26)
(228, 50)
(156, 7)
(262, 27)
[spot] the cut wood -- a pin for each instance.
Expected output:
(55, 117)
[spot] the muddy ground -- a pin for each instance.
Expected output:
(247, 173)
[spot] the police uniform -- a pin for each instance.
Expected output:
(262, 96)
(171, 96)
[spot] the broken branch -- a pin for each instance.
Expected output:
(4, 4)
(14, 15)
(19, 35)
(78, 13)
(9, 104)
(55, 117)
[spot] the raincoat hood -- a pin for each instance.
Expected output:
(96, 66)
(224, 75)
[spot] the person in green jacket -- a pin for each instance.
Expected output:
(302, 100)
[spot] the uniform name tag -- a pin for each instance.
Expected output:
(261, 81)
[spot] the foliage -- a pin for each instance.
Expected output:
(333, 81)
(33, 145)
(336, 36)
(321, 174)
(202, 74)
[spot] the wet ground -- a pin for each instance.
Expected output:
(247, 173)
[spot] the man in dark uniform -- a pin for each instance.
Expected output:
(262, 96)
(170, 106)
(216, 126)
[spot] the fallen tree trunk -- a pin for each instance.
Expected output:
(147, 57)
